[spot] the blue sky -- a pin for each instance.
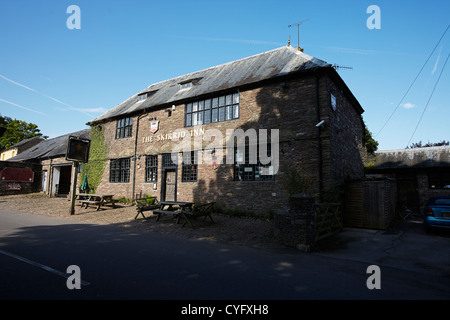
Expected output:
(60, 78)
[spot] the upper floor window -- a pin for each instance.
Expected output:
(186, 85)
(333, 101)
(145, 95)
(212, 110)
(124, 128)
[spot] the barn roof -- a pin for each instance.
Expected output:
(55, 147)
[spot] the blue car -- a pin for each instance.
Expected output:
(437, 213)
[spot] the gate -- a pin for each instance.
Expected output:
(327, 220)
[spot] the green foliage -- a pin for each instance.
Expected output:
(16, 131)
(97, 158)
(369, 142)
(124, 200)
(150, 199)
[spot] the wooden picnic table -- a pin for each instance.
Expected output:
(98, 200)
(176, 208)
(185, 210)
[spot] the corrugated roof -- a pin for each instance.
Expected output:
(55, 147)
(413, 158)
(263, 66)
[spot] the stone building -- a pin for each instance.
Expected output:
(312, 120)
(56, 171)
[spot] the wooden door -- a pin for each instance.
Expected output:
(170, 185)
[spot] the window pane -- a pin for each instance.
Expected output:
(201, 104)
(236, 98)
(128, 132)
(207, 118)
(221, 101)
(229, 114)
(222, 114)
(214, 117)
(215, 102)
(188, 120)
(194, 118)
(200, 118)
(229, 98)
(195, 106)
(208, 104)
(236, 111)
(189, 107)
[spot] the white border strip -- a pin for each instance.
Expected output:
(44, 267)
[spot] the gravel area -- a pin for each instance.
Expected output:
(234, 230)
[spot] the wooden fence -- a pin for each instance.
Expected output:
(370, 203)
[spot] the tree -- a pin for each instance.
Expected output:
(16, 131)
(369, 142)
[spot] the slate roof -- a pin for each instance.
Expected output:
(263, 66)
(50, 148)
(25, 144)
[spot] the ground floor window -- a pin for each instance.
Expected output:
(245, 170)
(189, 168)
(119, 170)
(151, 168)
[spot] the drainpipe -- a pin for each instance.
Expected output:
(319, 139)
(134, 157)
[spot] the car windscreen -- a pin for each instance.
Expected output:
(442, 202)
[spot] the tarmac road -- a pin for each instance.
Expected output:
(117, 263)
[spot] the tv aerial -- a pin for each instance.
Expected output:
(298, 33)
(337, 67)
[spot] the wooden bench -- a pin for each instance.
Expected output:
(199, 210)
(143, 204)
(161, 212)
(98, 203)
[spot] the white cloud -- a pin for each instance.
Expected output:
(408, 105)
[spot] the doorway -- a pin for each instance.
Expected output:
(407, 193)
(169, 177)
(169, 188)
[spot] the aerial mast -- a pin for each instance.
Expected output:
(298, 33)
